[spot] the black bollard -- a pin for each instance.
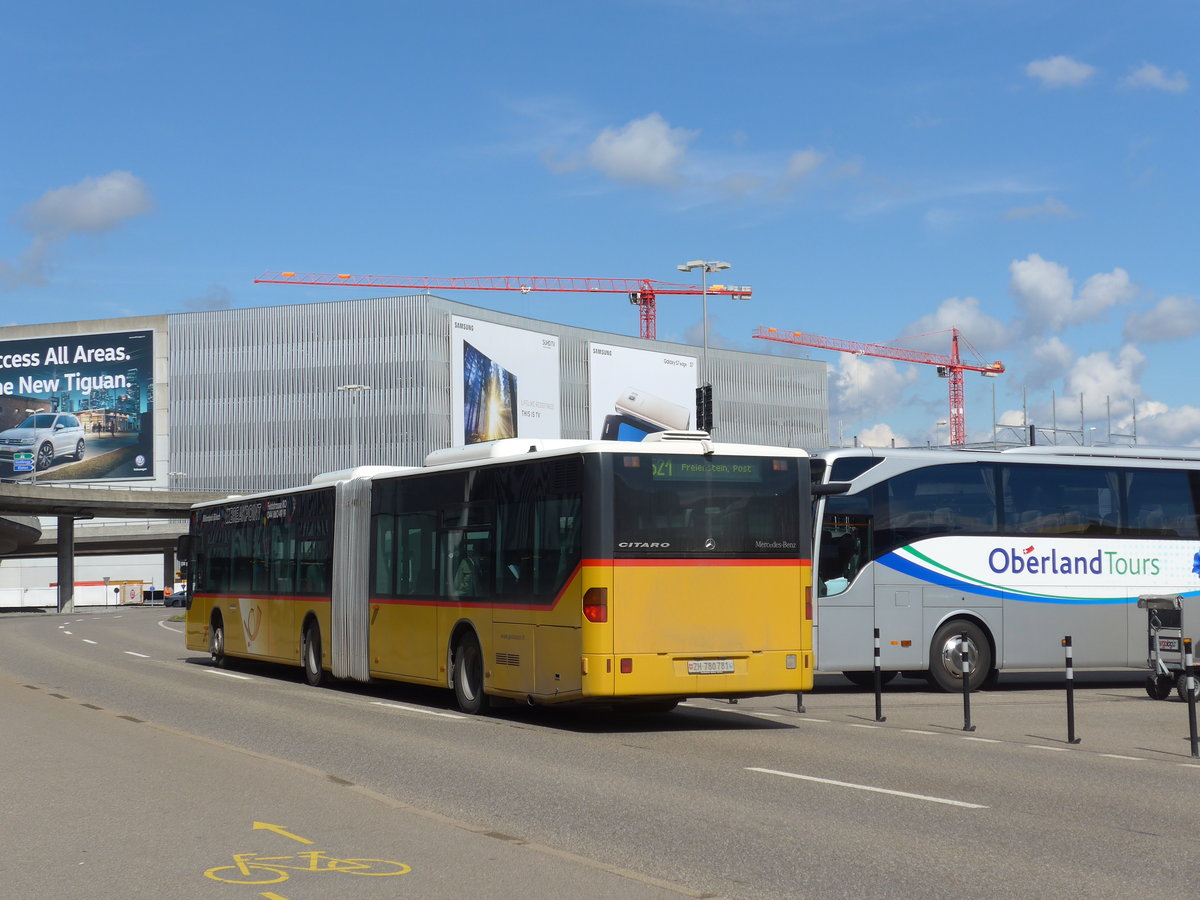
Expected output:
(1071, 739)
(966, 677)
(879, 716)
(1189, 669)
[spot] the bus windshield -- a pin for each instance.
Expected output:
(731, 506)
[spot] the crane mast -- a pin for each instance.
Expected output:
(642, 292)
(949, 366)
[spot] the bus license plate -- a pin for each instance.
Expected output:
(709, 666)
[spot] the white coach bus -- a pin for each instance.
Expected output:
(1012, 549)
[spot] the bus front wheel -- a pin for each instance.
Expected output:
(945, 655)
(468, 675)
(216, 643)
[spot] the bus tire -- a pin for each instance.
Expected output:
(216, 642)
(945, 655)
(467, 675)
(866, 680)
(310, 655)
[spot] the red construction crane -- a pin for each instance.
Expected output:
(641, 291)
(951, 366)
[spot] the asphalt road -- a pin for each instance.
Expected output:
(131, 769)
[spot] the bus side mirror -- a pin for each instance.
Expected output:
(834, 487)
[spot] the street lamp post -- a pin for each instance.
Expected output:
(704, 392)
(705, 266)
(354, 390)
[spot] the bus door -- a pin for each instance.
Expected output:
(844, 619)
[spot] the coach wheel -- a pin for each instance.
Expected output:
(468, 675)
(45, 455)
(945, 655)
(866, 680)
(310, 653)
(216, 642)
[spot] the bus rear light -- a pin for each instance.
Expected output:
(789, 661)
(595, 604)
(626, 665)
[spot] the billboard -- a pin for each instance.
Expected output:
(503, 383)
(633, 393)
(77, 407)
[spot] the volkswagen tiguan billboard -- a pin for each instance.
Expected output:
(77, 407)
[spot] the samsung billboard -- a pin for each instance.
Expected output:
(77, 408)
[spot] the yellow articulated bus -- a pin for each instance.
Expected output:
(543, 571)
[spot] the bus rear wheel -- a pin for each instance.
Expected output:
(945, 655)
(310, 655)
(467, 675)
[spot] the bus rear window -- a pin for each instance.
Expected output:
(671, 506)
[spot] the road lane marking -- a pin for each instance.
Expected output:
(867, 787)
(818, 721)
(1044, 747)
(138, 655)
(163, 624)
(428, 712)
(228, 674)
(982, 740)
(1119, 756)
(856, 725)
(917, 731)
(67, 632)
(86, 641)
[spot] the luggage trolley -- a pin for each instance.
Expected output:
(1164, 623)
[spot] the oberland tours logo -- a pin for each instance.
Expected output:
(1010, 561)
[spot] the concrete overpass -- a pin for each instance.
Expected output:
(21, 534)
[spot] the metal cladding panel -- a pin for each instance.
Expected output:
(254, 404)
(351, 608)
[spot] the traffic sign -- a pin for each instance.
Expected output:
(26, 466)
(22, 456)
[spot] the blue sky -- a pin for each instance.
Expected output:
(877, 171)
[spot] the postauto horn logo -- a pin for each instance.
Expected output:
(1011, 561)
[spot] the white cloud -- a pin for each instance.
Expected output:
(980, 329)
(1148, 75)
(1060, 71)
(1172, 318)
(802, 163)
(1157, 423)
(864, 386)
(643, 151)
(94, 205)
(1046, 293)
(1103, 380)
(1049, 359)
(1050, 208)
(880, 436)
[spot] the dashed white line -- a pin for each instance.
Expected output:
(1044, 747)
(917, 731)
(163, 624)
(981, 740)
(867, 787)
(818, 721)
(228, 674)
(67, 632)
(856, 725)
(86, 641)
(428, 712)
(1119, 756)
(138, 655)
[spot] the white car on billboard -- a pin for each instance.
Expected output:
(47, 436)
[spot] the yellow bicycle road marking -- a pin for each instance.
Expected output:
(278, 829)
(271, 896)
